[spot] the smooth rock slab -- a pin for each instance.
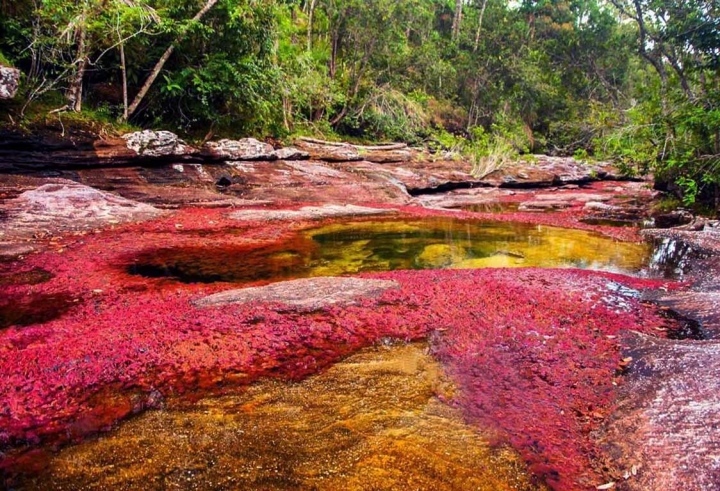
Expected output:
(308, 213)
(387, 156)
(70, 206)
(665, 426)
(12, 250)
(330, 153)
(304, 294)
(291, 153)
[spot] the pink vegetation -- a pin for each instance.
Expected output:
(534, 352)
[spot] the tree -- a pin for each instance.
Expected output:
(163, 59)
(681, 41)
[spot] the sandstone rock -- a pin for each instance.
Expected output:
(308, 213)
(664, 417)
(425, 177)
(291, 153)
(550, 171)
(387, 156)
(310, 181)
(9, 82)
(58, 207)
(602, 207)
(578, 197)
(13, 250)
(330, 153)
(243, 149)
(49, 153)
(670, 397)
(305, 294)
(157, 144)
(673, 219)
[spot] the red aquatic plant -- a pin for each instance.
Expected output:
(533, 352)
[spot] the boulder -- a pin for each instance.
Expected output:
(291, 153)
(330, 153)
(9, 82)
(149, 143)
(306, 294)
(243, 149)
(388, 156)
(673, 219)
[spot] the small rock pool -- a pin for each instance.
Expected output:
(391, 244)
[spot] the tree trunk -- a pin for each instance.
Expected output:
(358, 72)
(335, 44)
(479, 26)
(123, 70)
(457, 19)
(163, 59)
(74, 93)
(311, 13)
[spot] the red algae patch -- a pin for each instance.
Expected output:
(533, 353)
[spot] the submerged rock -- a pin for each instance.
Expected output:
(305, 294)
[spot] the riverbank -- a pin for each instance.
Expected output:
(103, 343)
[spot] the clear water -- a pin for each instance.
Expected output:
(385, 245)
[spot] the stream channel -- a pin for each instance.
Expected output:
(376, 420)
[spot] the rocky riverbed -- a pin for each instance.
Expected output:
(573, 368)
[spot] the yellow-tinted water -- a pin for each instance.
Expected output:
(447, 243)
(372, 422)
(385, 245)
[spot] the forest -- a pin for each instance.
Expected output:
(635, 81)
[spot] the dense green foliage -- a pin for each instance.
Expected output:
(635, 80)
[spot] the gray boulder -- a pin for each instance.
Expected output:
(243, 149)
(150, 143)
(9, 82)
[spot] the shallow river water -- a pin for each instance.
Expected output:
(375, 421)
